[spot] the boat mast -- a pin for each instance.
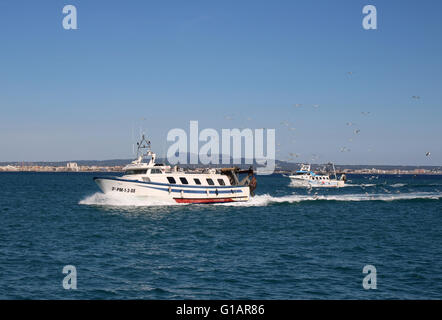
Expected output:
(144, 150)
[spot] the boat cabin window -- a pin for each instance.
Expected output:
(155, 171)
(136, 171)
(221, 182)
(171, 180)
(197, 181)
(184, 180)
(210, 182)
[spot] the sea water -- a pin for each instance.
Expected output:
(286, 243)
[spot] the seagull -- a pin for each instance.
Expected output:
(428, 154)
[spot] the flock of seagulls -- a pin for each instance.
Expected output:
(289, 126)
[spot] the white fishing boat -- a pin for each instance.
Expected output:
(155, 181)
(305, 177)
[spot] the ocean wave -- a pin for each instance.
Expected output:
(398, 185)
(101, 199)
(362, 185)
(266, 199)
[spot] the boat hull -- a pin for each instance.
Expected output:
(152, 191)
(306, 183)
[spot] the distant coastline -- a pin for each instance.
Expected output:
(117, 165)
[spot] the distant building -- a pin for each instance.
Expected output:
(72, 166)
(8, 168)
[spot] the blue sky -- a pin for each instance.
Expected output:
(78, 94)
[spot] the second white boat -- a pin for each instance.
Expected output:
(305, 177)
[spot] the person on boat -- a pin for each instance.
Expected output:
(252, 185)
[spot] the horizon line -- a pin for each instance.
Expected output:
(285, 161)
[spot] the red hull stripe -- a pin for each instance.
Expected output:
(213, 200)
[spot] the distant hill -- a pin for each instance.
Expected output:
(280, 165)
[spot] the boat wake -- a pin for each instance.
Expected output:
(347, 185)
(101, 199)
(266, 199)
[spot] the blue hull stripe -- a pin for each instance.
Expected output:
(168, 184)
(195, 191)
